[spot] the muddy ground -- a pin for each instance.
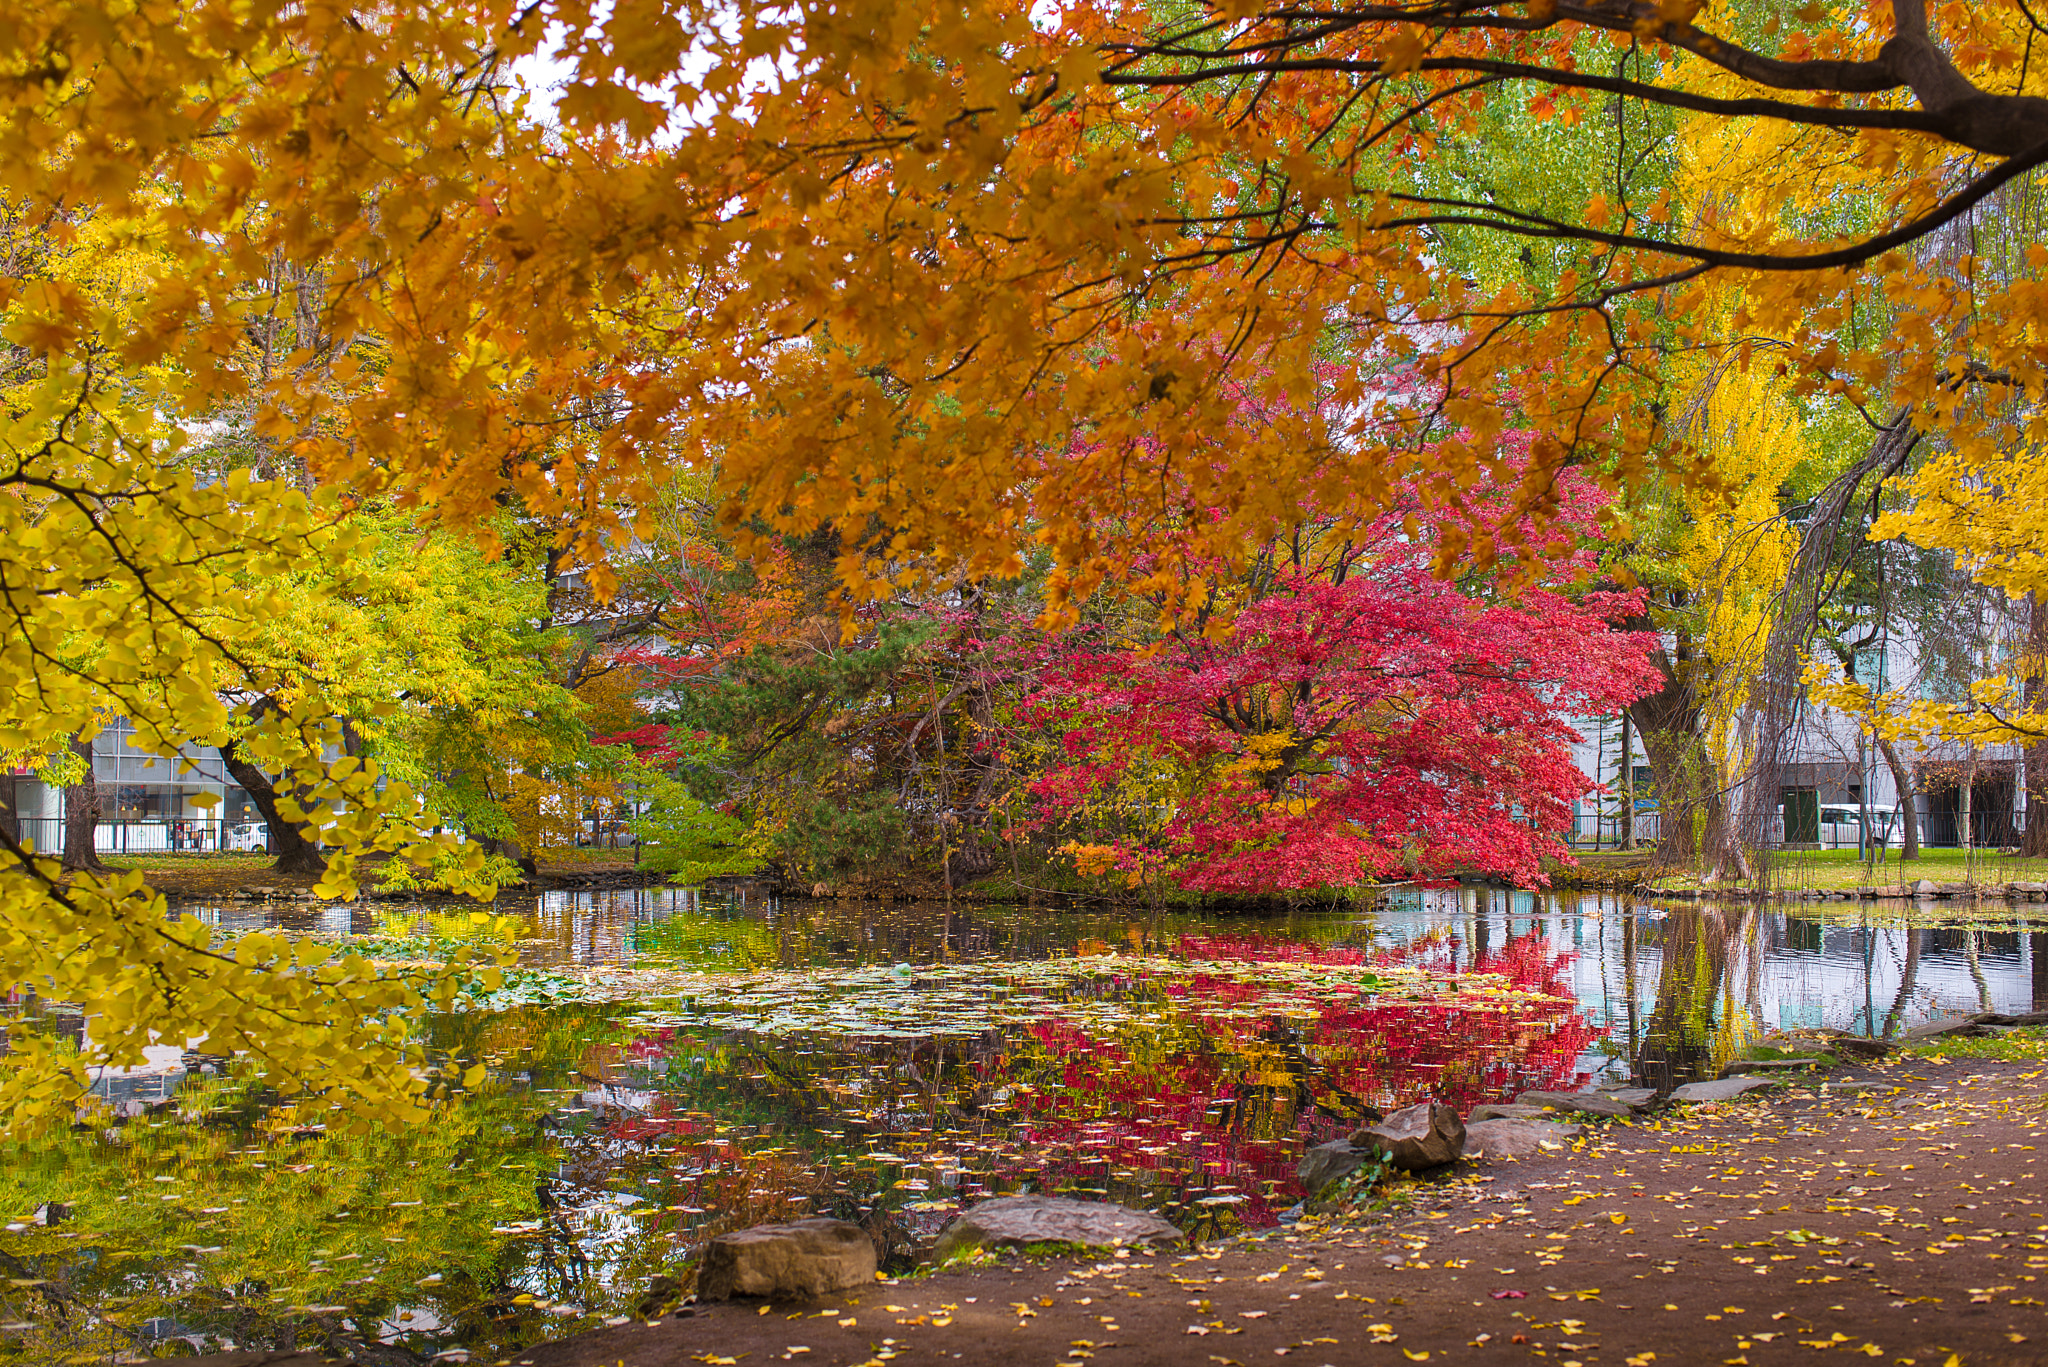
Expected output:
(1906, 1226)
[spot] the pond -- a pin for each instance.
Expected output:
(665, 1066)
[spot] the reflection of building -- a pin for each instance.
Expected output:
(1736, 972)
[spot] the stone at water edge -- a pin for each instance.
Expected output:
(1591, 1103)
(1965, 1026)
(1507, 1110)
(1726, 1089)
(1327, 1163)
(1415, 1138)
(1019, 1221)
(1765, 1066)
(1513, 1138)
(803, 1259)
(1635, 1098)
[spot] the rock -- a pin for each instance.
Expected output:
(1858, 1046)
(1327, 1163)
(1948, 1025)
(1727, 1089)
(1635, 1098)
(1926, 887)
(1510, 1137)
(275, 1357)
(800, 1260)
(1507, 1111)
(1589, 1103)
(2000, 1018)
(1414, 1138)
(1773, 1065)
(662, 1292)
(1019, 1221)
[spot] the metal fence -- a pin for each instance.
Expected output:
(1606, 830)
(1603, 831)
(154, 835)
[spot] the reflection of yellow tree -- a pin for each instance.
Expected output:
(371, 1222)
(1697, 1024)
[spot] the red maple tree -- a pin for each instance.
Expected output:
(1348, 713)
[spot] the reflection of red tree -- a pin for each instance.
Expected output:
(1216, 1091)
(1242, 1093)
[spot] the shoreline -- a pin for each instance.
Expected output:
(1901, 1219)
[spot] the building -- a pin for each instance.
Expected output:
(147, 802)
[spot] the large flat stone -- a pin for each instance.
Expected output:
(1020, 1221)
(1507, 1110)
(1512, 1138)
(1327, 1163)
(1416, 1138)
(2002, 1018)
(1766, 1066)
(1635, 1098)
(1949, 1025)
(1589, 1103)
(1726, 1089)
(801, 1260)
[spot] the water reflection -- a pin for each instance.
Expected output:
(608, 1147)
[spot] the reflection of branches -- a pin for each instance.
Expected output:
(1908, 978)
(1699, 944)
(68, 1313)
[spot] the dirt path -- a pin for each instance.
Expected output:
(1906, 1227)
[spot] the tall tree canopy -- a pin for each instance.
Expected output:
(952, 286)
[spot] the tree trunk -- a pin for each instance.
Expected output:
(297, 850)
(1909, 799)
(528, 864)
(1691, 809)
(10, 808)
(1628, 783)
(1967, 835)
(2034, 838)
(82, 816)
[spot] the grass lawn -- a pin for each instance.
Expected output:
(1835, 869)
(1830, 870)
(206, 873)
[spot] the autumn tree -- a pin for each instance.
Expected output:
(954, 286)
(1351, 718)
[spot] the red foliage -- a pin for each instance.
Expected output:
(1362, 718)
(1238, 1101)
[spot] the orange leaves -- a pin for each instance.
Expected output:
(47, 316)
(1404, 51)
